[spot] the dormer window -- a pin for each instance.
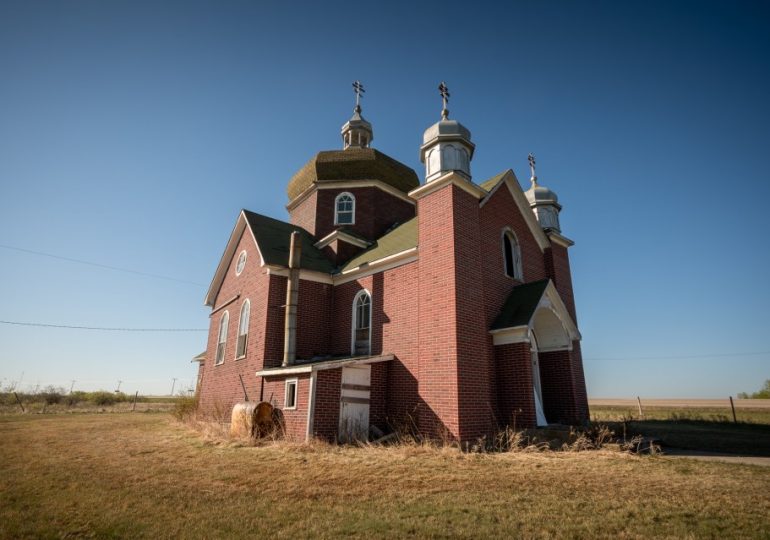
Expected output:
(345, 209)
(512, 256)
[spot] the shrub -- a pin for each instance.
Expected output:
(185, 407)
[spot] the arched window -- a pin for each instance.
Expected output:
(222, 338)
(345, 209)
(362, 324)
(511, 255)
(243, 330)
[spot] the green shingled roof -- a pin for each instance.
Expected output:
(352, 164)
(274, 236)
(397, 240)
(520, 305)
(492, 182)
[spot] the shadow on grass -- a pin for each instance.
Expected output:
(741, 439)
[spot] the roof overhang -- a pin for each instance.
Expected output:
(324, 365)
(338, 234)
(449, 178)
(550, 320)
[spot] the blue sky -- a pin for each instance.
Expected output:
(132, 133)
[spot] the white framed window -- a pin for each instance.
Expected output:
(222, 338)
(290, 395)
(345, 209)
(243, 330)
(511, 255)
(362, 324)
(241, 263)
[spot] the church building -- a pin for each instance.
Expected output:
(444, 306)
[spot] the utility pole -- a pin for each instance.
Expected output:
(72, 385)
(173, 384)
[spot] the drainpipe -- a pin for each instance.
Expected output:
(292, 286)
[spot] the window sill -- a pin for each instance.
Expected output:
(240, 357)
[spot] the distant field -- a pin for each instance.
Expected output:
(746, 410)
(145, 476)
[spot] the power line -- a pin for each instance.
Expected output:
(98, 265)
(683, 356)
(104, 329)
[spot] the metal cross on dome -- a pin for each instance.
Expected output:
(358, 88)
(531, 159)
(444, 91)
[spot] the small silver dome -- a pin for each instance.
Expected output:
(446, 128)
(540, 194)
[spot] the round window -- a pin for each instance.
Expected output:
(241, 263)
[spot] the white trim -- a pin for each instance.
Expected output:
(341, 235)
(307, 275)
(506, 336)
(324, 365)
(243, 254)
(337, 210)
(560, 239)
(449, 178)
(311, 405)
(549, 300)
(359, 294)
(224, 262)
(348, 184)
(378, 265)
(286, 384)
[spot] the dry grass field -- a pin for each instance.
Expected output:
(144, 475)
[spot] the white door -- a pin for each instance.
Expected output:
(539, 414)
(354, 403)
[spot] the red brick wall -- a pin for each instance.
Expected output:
(378, 395)
(376, 211)
(339, 251)
(558, 387)
(220, 387)
(327, 404)
(304, 214)
(561, 275)
(514, 385)
(454, 372)
(295, 421)
(498, 212)
(581, 393)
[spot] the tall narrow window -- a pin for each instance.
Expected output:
(345, 209)
(243, 330)
(511, 255)
(362, 322)
(222, 338)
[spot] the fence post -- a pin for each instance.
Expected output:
(639, 401)
(732, 405)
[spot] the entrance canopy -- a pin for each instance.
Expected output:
(535, 307)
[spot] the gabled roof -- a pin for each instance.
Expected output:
(492, 182)
(272, 239)
(508, 178)
(352, 164)
(520, 305)
(400, 239)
